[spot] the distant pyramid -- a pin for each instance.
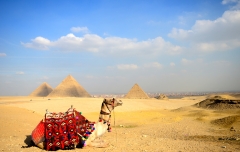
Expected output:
(162, 97)
(42, 91)
(69, 87)
(136, 93)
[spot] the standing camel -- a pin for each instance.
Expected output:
(70, 129)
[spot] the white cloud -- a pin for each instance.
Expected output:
(229, 1)
(223, 28)
(153, 65)
(20, 73)
(217, 46)
(154, 23)
(80, 29)
(234, 7)
(221, 63)
(3, 54)
(111, 45)
(188, 17)
(184, 71)
(212, 35)
(127, 66)
(172, 64)
(90, 77)
(39, 43)
(45, 78)
(8, 82)
(186, 62)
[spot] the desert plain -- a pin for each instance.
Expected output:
(139, 125)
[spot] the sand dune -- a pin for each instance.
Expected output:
(139, 125)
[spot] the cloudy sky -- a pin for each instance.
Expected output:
(108, 46)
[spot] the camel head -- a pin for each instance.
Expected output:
(105, 114)
(113, 102)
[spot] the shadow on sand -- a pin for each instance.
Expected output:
(28, 141)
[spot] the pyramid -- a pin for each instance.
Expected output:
(136, 93)
(42, 91)
(162, 97)
(69, 87)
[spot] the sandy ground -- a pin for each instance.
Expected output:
(139, 125)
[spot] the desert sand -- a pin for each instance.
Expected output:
(172, 125)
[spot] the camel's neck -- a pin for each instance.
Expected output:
(105, 115)
(103, 123)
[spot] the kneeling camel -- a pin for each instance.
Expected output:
(70, 129)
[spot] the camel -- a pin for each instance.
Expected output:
(78, 132)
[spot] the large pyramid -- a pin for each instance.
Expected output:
(69, 87)
(136, 93)
(42, 91)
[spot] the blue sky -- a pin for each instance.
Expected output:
(108, 46)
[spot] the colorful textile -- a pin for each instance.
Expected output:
(63, 130)
(38, 133)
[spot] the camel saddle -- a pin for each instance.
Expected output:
(63, 130)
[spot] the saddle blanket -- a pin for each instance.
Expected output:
(63, 130)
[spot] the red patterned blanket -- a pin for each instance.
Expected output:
(63, 130)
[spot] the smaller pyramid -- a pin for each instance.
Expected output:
(162, 97)
(136, 93)
(69, 87)
(42, 91)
